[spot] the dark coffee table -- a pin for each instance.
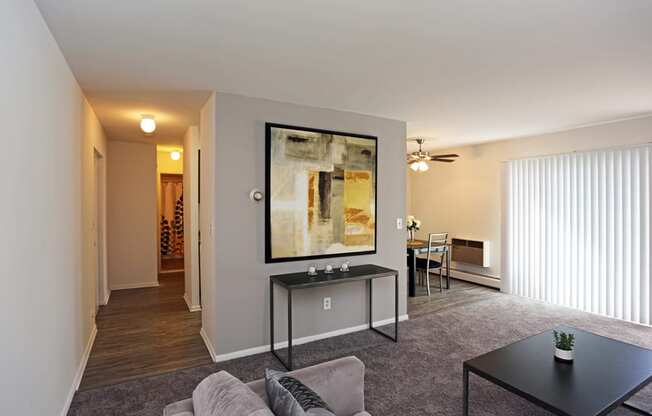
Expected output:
(604, 375)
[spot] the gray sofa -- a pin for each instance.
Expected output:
(339, 382)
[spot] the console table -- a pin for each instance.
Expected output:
(295, 281)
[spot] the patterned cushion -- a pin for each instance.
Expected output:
(287, 396)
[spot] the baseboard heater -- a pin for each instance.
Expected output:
(481, 279)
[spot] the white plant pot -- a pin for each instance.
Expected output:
(564, 355)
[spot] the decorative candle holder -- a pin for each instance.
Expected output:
(345, 266)
(312, 270)
(328, 269)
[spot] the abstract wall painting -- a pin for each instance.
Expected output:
(321, 193)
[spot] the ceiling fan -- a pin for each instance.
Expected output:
(418, 161)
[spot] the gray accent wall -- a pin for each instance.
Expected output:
(239, 292)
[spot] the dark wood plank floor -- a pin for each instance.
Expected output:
(144, 332)
(460, 293)
(172, 263)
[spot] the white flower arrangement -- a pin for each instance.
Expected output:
(412, 223)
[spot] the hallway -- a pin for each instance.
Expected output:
(144, 332)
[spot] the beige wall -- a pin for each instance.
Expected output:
(464, 198)
(46, 323)
(190, 217)
(132, 215)
(236, 313)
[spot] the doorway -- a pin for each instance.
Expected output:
(171, 227)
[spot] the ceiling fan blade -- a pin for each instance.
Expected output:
(442, 160)
(444, 156)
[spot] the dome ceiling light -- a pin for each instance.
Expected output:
(147, 124)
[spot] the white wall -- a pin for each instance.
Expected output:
(190, 217)
(464, 198)
(237, 315)
(46, 325)
(132, 221)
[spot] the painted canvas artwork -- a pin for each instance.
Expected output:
(321, 193)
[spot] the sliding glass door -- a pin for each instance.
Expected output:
(576, 231)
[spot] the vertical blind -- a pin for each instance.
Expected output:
(576, 231)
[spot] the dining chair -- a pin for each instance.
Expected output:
(429, 264)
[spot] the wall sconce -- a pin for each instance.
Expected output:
(175, 155)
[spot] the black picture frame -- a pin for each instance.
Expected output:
(268, 180)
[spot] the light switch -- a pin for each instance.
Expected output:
(399, 223)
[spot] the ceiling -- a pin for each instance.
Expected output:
(462, 71)
(120, 113)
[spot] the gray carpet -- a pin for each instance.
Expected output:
(421, 375)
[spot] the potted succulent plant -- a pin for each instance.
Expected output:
(564, 346)
(412, 225)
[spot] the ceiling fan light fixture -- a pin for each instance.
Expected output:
(418, 161)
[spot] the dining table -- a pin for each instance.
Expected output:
(416, 247)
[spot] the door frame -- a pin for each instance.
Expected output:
(99, 228)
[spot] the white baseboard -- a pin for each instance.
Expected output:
(296, 341)
(134, 285)
(106, 297)
(476, 278)
(191, 308)
(209, 344)
(80, 371)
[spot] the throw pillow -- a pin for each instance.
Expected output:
(287, 396)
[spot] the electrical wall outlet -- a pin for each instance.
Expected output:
(399, 223)
(327, 304)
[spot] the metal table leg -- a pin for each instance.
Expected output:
(371, 320)
(287, 364)
(412, 285)
(465, 382)
(271, 316)
(448, 268)
(371, 303)
(396, 308)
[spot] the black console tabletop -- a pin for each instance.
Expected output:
(303, 280)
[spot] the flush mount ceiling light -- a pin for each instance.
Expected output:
(175, 155)
(147, 124)
(418, 161)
